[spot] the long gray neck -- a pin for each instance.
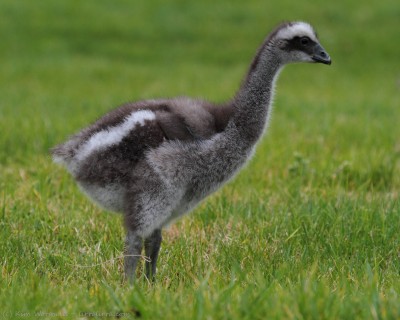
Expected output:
(253, 100)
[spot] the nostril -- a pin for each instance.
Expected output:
(323, 53)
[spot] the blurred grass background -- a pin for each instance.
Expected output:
(308, 230)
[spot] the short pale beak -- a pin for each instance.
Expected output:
(320, 55)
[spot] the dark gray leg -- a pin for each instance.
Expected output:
(152, 246)
(133, 251)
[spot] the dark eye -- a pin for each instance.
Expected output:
(305, 41)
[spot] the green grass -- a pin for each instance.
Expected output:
(308, 230)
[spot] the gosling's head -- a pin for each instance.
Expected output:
(298, 42)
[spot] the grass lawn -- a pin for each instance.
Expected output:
(308, 230)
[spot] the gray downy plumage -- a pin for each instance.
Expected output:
(155, 160)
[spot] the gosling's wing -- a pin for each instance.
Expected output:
(118, 140)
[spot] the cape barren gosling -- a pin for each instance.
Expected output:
(155, 160)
